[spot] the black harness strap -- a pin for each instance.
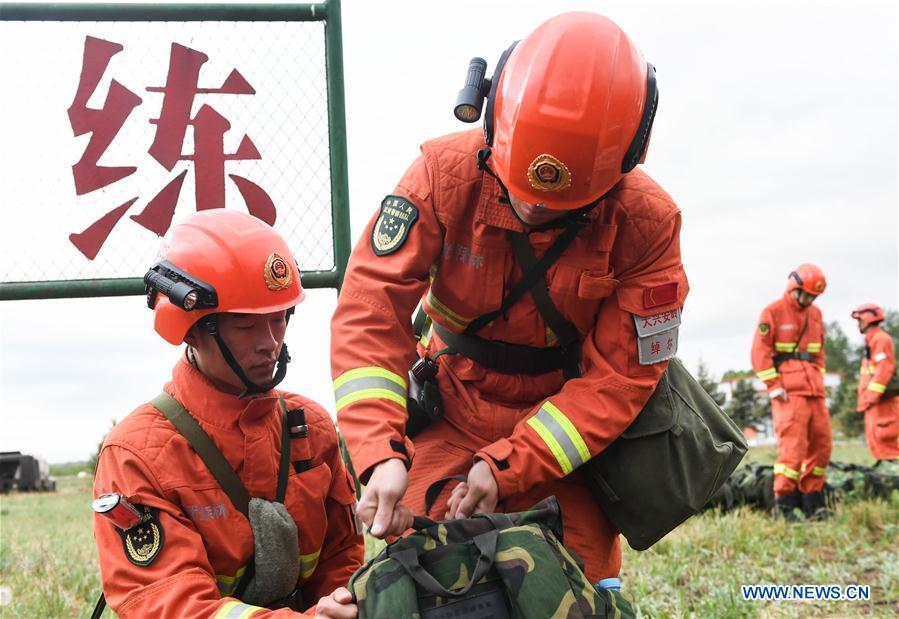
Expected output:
(799, 356)
(530, 277)
(510, 358)
(561, 326)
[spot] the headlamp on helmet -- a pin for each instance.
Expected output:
(183, 291)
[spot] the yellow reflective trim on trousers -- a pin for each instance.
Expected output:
(551, 442)
(443, 310)
(814, 347)
(823, 370)
(876, 387)
(236, 610)
(308, 563)
(227, 584)
(819, 470)
(786, 471)
(766, 375)
(784, 346)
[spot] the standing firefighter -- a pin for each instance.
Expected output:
(223, 496)
(788, 356)
(881, 409)
(550, 277)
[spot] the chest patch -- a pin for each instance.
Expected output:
(143, 542)
(393, 225)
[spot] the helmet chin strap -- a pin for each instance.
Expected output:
(250, 388)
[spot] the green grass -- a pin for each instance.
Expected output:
(48, 558)
(852, 452)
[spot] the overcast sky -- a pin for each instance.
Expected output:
(776, 135)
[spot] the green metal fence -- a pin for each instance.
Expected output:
(328, 257)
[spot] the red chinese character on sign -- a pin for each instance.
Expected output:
(655, 347)
(209, 156)
(670, 343)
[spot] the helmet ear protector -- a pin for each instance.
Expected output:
(637, 149)
(470, 103)
(182, 289)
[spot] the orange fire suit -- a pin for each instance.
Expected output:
(802, 423)
(533, 431)
(881, 415)
(206, 543)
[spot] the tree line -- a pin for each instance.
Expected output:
(844, 354)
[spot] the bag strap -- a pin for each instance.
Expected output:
(435, 489)
(188, 427)
(486, 545)
(801, 333)
(283, 470)
(199, 440)
(530, 277)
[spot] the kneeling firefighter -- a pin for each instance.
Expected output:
(224, 497)
(549, 273)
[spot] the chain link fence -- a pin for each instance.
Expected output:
(265, 85)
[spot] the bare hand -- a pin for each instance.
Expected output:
(782, 396)
(338, 605)
(380, 507)
(479, 494)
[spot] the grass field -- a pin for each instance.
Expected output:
(48, 558)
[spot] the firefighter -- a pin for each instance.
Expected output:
(225, 284)
(526, 378)
(878, 367)
(788, 356)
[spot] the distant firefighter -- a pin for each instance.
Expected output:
(788, 356)
(877, 398)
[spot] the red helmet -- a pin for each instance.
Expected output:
(219, 261)
(868, 313)
(807, 277)
(572, 112)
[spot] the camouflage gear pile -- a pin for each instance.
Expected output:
(490, 565)
(753, 484)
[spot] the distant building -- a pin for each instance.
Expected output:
(832, 380)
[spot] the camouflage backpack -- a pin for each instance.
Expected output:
(490, 565)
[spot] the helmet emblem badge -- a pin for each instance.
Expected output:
(547, 173)
(277, 273)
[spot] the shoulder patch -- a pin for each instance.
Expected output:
(393, 225)
(764, 329)
(657, 336)
(143, 542)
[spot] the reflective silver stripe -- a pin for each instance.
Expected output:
(236, 610)
(368, 382)
(563, 440)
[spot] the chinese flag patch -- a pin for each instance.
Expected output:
(662, 294)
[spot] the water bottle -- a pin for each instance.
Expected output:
(612, 584)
